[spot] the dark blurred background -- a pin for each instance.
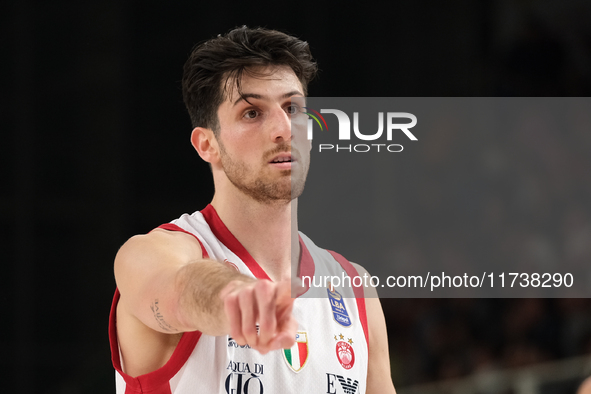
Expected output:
(96, 149)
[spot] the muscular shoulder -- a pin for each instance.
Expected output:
(159, 240)
(157, 246)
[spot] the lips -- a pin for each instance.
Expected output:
(282, 158)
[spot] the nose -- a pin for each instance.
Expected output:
(280, 126)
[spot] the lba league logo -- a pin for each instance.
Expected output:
(339, 310)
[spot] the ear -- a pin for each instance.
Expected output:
(204, 142)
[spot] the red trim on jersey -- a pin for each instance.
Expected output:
(174, 227)
(222, 233)
(358, 291)
(157, 382)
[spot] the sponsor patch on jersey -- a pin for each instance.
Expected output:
(297, 357)
(344, 351)
(232, 343)
(244, 377)
(339, 310)
(348, 385)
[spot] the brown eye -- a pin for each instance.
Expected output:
(251, 114)
(292, 109)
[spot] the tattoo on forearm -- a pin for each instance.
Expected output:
(160, 319)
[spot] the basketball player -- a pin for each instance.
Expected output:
(204, 304)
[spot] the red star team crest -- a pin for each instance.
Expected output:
(297, 357)
(345, 353)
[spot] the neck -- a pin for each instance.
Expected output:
(267, 231)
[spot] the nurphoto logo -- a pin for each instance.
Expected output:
(392, 121)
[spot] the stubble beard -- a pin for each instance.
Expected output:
(259, 189)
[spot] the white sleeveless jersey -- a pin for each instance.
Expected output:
(331, 350)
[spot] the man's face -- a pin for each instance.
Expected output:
(260, 154)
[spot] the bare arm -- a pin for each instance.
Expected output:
(168, 288)
(379, 378)
(165, 282)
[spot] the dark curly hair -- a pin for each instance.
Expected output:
(227, 57)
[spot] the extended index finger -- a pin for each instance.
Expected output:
(286, 323)
(266, 298)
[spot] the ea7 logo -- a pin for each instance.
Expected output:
(348, 385)
(345, 124)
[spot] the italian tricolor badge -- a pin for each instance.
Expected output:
(297, 356)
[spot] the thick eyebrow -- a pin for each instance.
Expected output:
(246, 96)
(292, 93)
